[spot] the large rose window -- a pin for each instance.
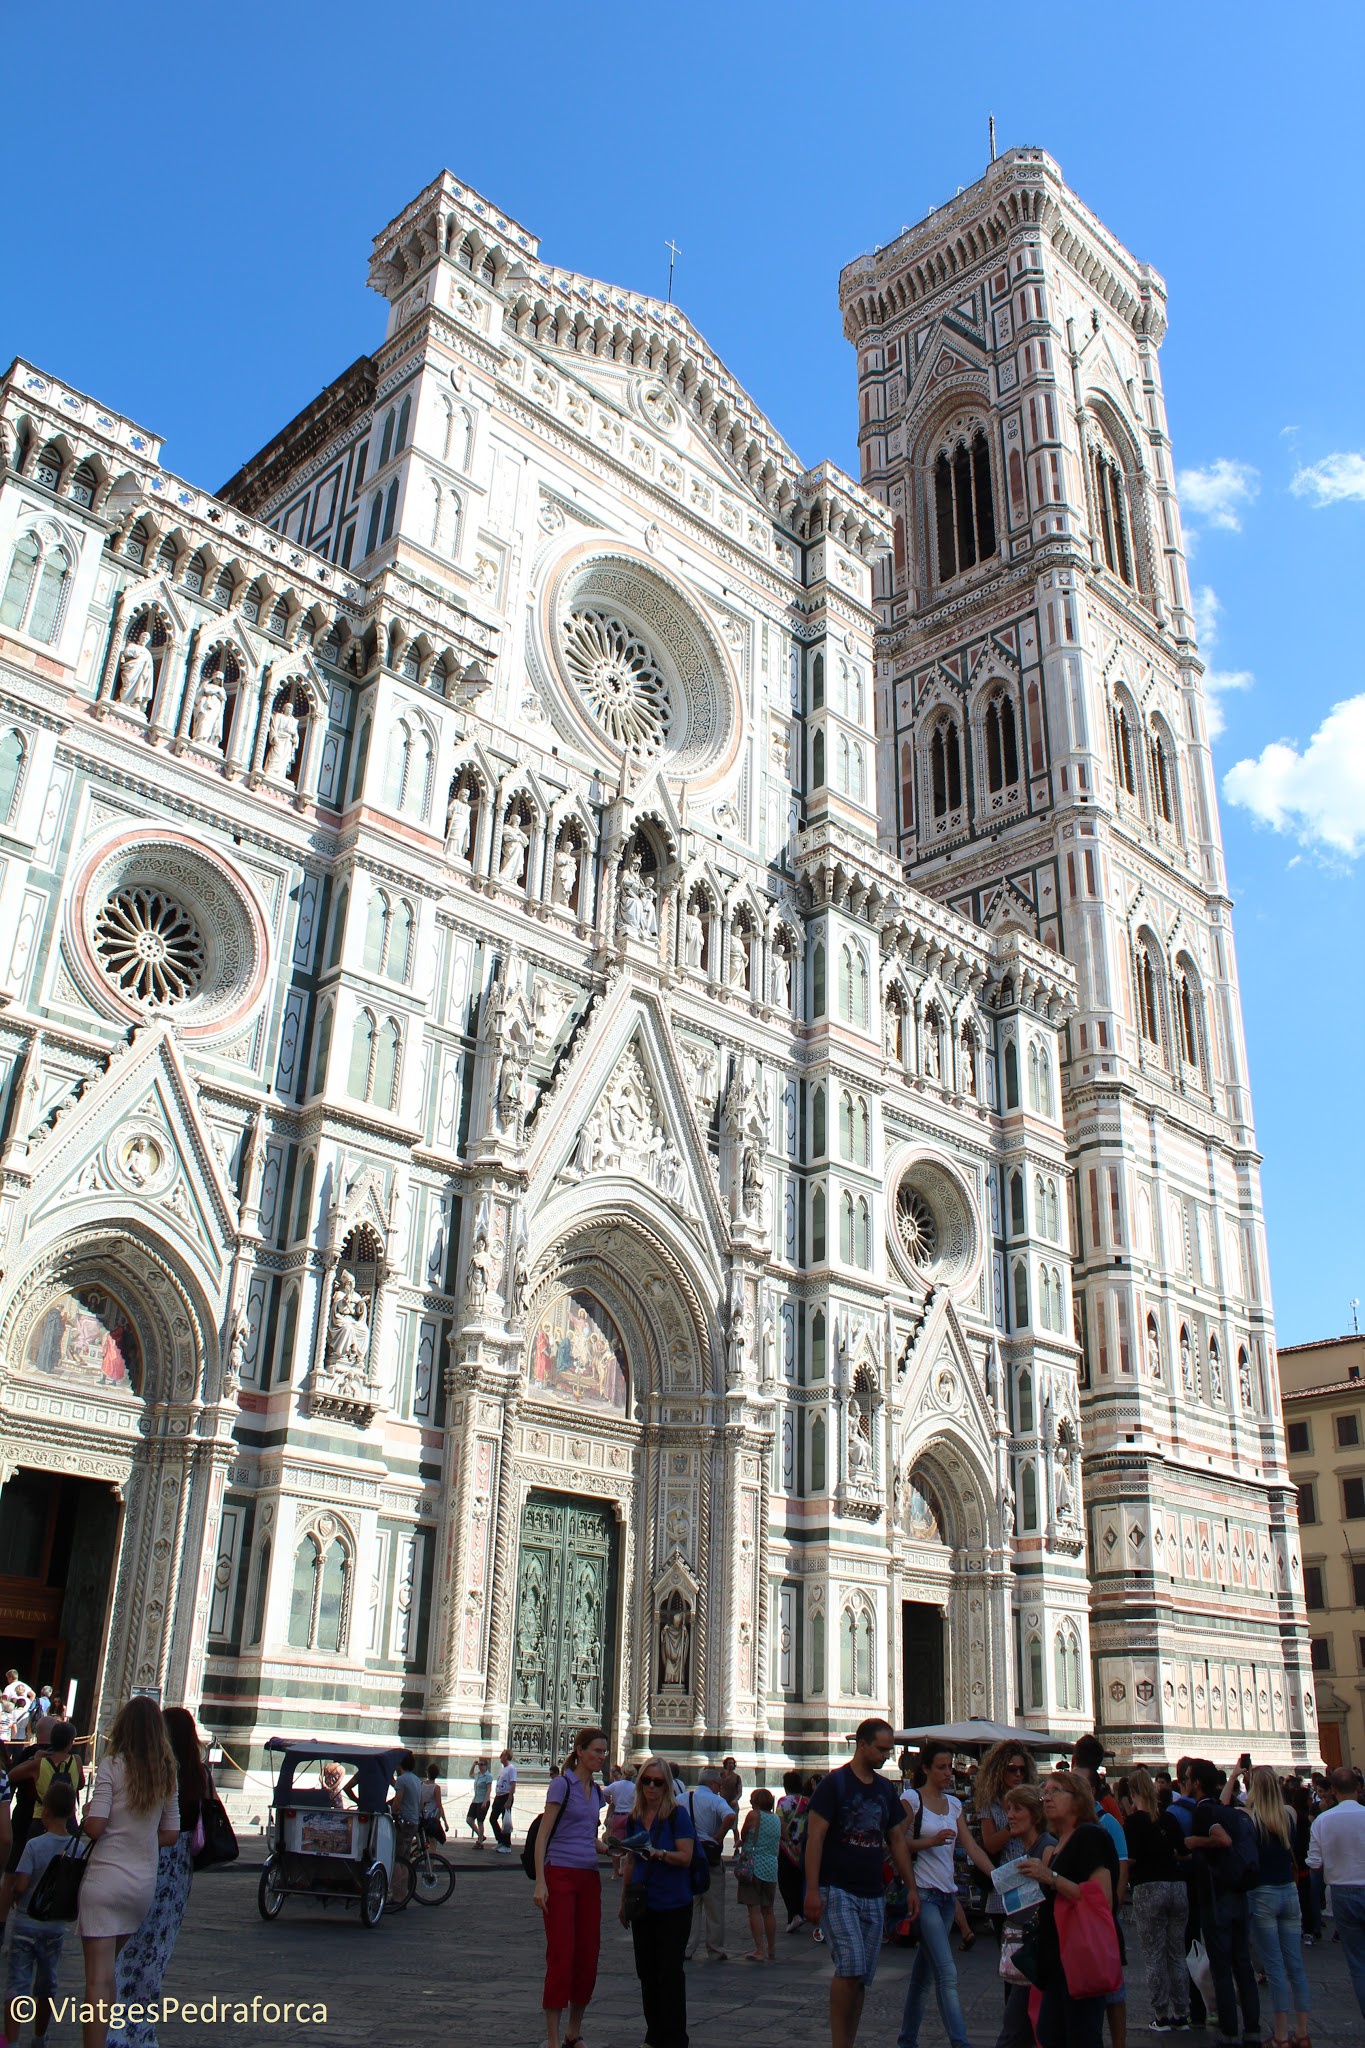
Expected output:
(619, 679)
(628, 664)
(916, 1225)
(150, 946)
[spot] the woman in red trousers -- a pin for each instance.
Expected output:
(569, 1888)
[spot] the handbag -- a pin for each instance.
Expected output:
(57, 1894)
(635, 1901)
(220, 1840)
(1200, 1972)
(1089, 1942)
(744, 1867)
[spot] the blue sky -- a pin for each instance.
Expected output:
(193, 193)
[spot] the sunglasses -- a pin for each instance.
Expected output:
(1016, 1770)
(652, 1781)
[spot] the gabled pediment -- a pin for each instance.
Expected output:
(625, 1115)
(947, 1386)
(135, 1138)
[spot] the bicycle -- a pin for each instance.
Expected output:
(418, 1871)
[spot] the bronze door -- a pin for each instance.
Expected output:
(563, 1643)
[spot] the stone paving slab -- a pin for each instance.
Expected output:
(469, 1973)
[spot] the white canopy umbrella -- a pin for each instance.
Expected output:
(978, 1734)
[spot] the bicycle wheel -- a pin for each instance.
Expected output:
(402, 1885)
(434, 1879)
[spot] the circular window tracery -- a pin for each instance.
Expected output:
(159, 924)
(630, 666)
(150, 946)
(916, 1224)
(933, 1229)
(618, 677)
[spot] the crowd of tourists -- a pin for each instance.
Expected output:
(1216, 1880)
(128, 1834)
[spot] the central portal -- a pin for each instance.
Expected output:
(565, 1628)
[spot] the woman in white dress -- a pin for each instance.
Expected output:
(133, 1812)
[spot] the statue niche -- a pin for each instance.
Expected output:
(676, 1607)
(345, 1385)
(675, 1644)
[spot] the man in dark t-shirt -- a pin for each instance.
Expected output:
(855, 1819)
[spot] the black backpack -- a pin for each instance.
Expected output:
(1238, 1869)
(528, 1847)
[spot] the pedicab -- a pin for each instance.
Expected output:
(318, 1850)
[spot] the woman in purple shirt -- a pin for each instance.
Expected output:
(568, 1886)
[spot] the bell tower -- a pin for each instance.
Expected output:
(1044, 765)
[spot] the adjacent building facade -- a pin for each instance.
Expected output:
(1323, 1388)
(535, 1187)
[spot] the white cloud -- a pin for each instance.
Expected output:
(1206, 611)
(1319, 794)
(1335, 478)
(1217, 681)
(1220, 493)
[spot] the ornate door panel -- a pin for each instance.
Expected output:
(564, 1639)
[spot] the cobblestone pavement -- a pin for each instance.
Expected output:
(469, 1973)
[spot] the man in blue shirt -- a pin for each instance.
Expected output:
(712, 1818)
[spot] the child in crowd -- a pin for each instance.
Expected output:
(36, 1945)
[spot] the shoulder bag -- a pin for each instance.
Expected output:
(220, 1841)
(699, 1869)
(57, 1894)
(1089, 1942)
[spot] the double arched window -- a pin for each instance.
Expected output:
(853, 991)
(319, 1610)
(1066, 1651)
(855, 1232)
(1051, 1313)
(1039, 1080)
(388, 936)
(407, 776)
(964, 507)
(854, 1128)
(37, 587)
(857, 1652)
(1045, 1216)
(375, 1048)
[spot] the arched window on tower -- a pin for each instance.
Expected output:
(945, 769)
(818, 1236)
(1111, 505)
(964, 506)
(1124, 767)
(1189, 1019)
(817, 1125)
(1011, 1074)
(817, 771)
(1148, 999)
(1163, 776)
(1002, 745)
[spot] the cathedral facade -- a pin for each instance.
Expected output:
(545, 1174)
